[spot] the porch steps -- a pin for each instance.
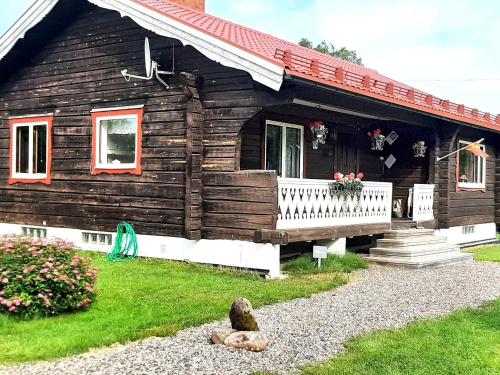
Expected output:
(415, 248)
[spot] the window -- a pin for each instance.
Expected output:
(471, 171)
(284, 145)
(117, 141)
(34, 232)
(30, 149)
(95, 238)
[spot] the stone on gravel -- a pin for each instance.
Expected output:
(219, 335)
(242, 316)
(248, 340)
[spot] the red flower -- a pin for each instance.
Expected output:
(360, 175)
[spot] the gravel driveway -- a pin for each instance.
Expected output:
(300, 331)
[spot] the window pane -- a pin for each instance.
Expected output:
(118, 140)
(273, 149)
(22, 149)
(471, 168)
(40, 149)
(293, 151)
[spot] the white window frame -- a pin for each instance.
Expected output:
(472, 185)
(30, 175)
(98, 147)
(285, 125)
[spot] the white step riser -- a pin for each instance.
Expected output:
(415, 248)
(421, 263)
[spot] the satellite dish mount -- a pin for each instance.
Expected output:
(152, 68)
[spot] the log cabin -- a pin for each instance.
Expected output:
(229, 158)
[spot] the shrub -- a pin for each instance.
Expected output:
(41, 278)
(306, 265)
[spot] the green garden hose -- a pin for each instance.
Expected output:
(126, 246)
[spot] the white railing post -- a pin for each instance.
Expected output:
(423, 202)
(306, 203)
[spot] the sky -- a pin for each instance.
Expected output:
(449, 48)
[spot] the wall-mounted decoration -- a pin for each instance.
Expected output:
(391, 138)
(419, 149)
(377, 140)
(389, 162)
(319, 132)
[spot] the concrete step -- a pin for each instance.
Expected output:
(413, 251)
(410, 241)
(406, 233)
(422, 262)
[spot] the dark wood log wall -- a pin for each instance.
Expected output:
(190, 128)
(497, 184)
(465, 207)
(237, 204)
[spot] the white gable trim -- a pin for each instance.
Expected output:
(29, 19)
(261, 70)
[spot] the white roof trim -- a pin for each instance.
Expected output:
(29, 19)
(261, 70)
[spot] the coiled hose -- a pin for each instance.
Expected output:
(126, 246)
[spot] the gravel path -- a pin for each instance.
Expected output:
(300, 331)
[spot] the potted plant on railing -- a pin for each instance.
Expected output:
(347, 186)
(319, 132)
(377, 140)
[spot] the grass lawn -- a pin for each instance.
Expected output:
(149, 297)
(490, 253)
(466, 342)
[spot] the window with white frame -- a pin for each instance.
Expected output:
(30, 151)
(284, 149)
(471, 168)
(117, 141)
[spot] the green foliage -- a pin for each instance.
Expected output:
(40, 278)
(466, 342)
(307, 265)
(329, 49)
(486, 253)
(147, 297)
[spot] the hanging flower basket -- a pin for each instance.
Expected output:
(347, 186)
(377, 140)
(319, 132)
(419, 149)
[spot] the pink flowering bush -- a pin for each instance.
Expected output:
(40, 278)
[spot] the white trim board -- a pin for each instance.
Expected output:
(263, 71)
(240, 254)
(455, 235)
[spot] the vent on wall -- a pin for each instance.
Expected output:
(34, 232)
(93, 238)
(468, 229)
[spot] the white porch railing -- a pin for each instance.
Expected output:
(423, 202)
(305, 203)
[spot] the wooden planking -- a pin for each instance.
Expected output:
(286, 236)
(236, 204)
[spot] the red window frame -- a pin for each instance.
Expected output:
(139, 112)
(29, 120)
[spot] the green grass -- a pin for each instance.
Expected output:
(466, 342)
(489, 253)
(306, 265)
(144, 298)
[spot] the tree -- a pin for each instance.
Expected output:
(328, 48)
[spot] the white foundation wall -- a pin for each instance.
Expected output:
(241, 254)
(460, 236)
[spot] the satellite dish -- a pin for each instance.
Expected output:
(151, 67)
(147, 58)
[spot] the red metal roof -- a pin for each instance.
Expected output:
(318, 67)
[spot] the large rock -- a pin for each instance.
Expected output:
(242, 316)
(220, 334)
(248, 340)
